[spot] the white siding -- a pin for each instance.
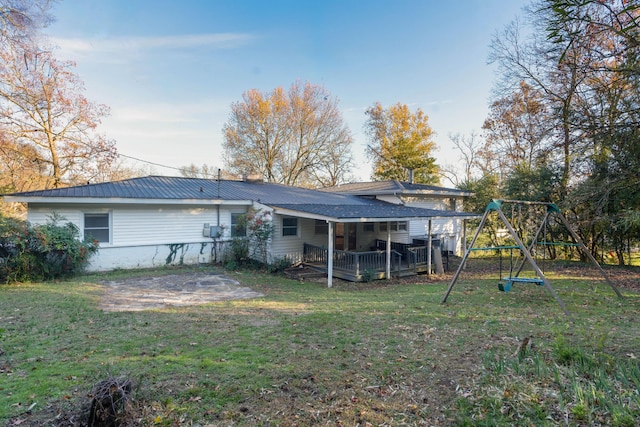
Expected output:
(145, 225)
(439, 203)
(148, 236)
(290, 246)
(154, 225)
(449, 231)
(390, 199)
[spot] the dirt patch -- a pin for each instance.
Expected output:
(179, 290)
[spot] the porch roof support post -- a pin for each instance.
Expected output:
(388, 266)
(464, 237)
(429, 248)
(330, 255)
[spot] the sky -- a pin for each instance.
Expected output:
(170, 70)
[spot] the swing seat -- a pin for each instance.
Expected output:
(506, 284)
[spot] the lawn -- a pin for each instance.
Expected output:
(369, 354)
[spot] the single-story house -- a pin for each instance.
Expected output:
(159, 220)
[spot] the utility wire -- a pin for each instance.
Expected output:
(151, 163)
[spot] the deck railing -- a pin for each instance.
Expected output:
(354, 262)
(416, 256)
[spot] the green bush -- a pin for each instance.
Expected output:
(368, 275)
(237, 253)
(279, 265)
(250, 250)
(41, 252)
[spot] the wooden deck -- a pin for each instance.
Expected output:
(368, 265)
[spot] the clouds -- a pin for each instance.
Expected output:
(111, 47)
(163, 113)
(175, 134)
(170, 70)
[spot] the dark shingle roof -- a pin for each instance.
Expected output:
(316, 202)
(394, 187)
(372, 209)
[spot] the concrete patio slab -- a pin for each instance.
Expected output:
(177, 290)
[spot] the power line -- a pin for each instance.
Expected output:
(151, 163)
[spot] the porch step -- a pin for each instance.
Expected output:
(303, 272)
(405, 273)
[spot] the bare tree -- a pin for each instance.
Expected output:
(295, 137)
(43, 110)
(21, 19)
(204, 171)
(517, 130)
(470, 160)
(535, 61)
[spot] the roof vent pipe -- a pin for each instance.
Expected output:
(219, 173)
(410, 176)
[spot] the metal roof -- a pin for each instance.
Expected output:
(315, 203)
(181, 188)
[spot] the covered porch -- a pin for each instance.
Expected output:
(368, 240)
(356, 266)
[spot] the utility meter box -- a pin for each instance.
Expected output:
(213, 231)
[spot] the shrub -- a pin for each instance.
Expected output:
(41, 252)
(251, 250)
(237, 253)
(279, 265)
(368, 275)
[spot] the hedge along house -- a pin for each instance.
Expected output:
(158, 220)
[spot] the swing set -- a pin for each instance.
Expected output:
(516, 265)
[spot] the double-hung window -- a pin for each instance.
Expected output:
(395, 226)
(238, 225)
(96, 227)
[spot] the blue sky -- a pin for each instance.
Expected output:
(170, 70)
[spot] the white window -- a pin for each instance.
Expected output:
(96, 227)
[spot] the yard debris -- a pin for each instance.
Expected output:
(110, 402)
(524, 347)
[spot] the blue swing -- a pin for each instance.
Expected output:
(505, 284)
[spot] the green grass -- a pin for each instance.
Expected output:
(380, 353)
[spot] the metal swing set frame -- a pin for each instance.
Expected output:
(541, 280)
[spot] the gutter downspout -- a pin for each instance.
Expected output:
(219, 172)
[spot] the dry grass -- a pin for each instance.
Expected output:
(383, 353)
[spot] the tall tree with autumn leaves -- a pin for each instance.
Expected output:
(49, 125)
(400, 141)
(295, 137)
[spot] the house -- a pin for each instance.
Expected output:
(159, 220)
